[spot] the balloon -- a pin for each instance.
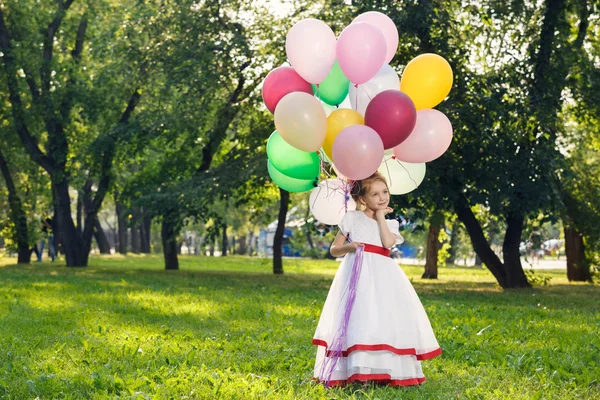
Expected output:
(282, 81)
(387, 27)
(310, 47)
(392, 114)
(301, 121)
(338, 121)
(357, 152)
(429, 140)
(290, 184)
(402, 177)
(330, 201)
(361, 51)
(385, 79)
(290, 161)
(334, 89)
(427, 80)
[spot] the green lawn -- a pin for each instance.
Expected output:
(227, 328)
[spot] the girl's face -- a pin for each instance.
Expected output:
(378, 196)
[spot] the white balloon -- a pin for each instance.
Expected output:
(386, 79)
(346, 103)
(327, 201)
(402, 177)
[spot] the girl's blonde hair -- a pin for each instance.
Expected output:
(361, 188)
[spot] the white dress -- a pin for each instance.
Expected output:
(388, 333)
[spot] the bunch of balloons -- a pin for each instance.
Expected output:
(386, 123)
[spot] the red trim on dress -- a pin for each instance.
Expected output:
(379, 378)
(380, 347)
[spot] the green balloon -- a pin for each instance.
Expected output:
(290, 161)
(290, 184)
(334, 89)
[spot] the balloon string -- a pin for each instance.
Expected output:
(367, 93)
(317, 197)
(388, 171)
(346, 196)
(334, 353)
(408, 173)
(356, 97)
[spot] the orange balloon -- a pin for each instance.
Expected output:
(338, 121)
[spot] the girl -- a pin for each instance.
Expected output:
(373, 326)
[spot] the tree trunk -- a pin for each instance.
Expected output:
(224, 242)
(515, 276)
(284, 199)
(478, 261)
(169, 233)
(480, 243)
(454, 241)
(433, 247)
(243, 245)
(17, 215)
(135, 232)
(578, 267)
(251, 244)
(100, 237)
(73, 248)
(121, 226)
(509, 274)
(79, 215)
(145, 231)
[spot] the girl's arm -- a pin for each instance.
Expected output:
(339, 249)
(387, 237)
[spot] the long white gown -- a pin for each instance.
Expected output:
(388, 332)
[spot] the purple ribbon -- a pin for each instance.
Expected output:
(338, 343)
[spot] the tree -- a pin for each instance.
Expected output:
(56, 102)
(17, 214)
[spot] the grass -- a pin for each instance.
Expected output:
(226, 328)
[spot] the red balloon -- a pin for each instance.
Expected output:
(282, 81)
(392, 114)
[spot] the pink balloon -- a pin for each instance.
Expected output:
(429, 140)
(310, 47)
(387, 27)
(282, 81)
(357, 152)
(361, 51)
(392, 114)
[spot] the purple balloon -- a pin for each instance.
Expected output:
(357, 152)
(392, 114)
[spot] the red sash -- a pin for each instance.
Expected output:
(370, 248)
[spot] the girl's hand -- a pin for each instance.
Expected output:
(383, 212)
(353, 246)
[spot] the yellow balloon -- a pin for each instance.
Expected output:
(337, 122)
(427, 80)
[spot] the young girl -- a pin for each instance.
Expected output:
(373, 326)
